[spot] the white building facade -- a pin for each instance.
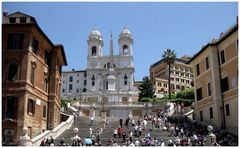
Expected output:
(107, 78)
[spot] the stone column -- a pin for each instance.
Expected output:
(25, 140)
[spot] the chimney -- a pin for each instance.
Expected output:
(5, 17)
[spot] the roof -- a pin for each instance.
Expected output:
(216, 42)
(63, 53)
(18, 12)
(161, 61)
(35, 24)
(75, 71)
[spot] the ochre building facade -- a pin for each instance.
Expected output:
(215, 69)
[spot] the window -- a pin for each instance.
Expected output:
(106, 84)
(125, 79)
(85, 74)
(172, 79)
(178, 87)
(11, 107)
(172, 86)
(199, 93)
(93, 80)
(77, 90)
(31, 106)
(94, 51)
(177, 79)
(77, 81)
(44, 111)
(33, 69)
(197, 69)
(183, 87)
(84, 89)
(63, 90)
(224, 84)
(70, 86)
(47, 59)
(211, 112)
(70, 79)
(12, 72)
(125, 49)
(201, 115)
(187, 81)
(15, 41)
(227, 110)
(182, 80)
(206, 63)
(85, 82)
(222, 54)
(12, 20)
(23, 19)
(209, 89)
(34, 45)
(45, 86)
(165, 85)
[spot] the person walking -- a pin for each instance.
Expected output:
(126, 122)
(133, 123)
(120, 122)
(139, 131)
(91, 122)
(120, 130)
(124, 137)
(115, 133)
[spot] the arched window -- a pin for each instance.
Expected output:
(94, 51)
(125, 49)
(93, 80)
(108, 65)
(125, 79)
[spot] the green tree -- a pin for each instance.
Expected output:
(146, 89)
(63, 102)
(169, 57)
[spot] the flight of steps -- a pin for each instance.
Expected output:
(83, 124)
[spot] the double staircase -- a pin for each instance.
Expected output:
(83, 124)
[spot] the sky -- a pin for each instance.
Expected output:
(182, 26)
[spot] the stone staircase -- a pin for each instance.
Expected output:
(83, 124)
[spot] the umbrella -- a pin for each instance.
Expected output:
(88, 141)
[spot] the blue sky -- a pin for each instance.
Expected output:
(184, 26)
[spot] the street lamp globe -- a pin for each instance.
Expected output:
(210, 128)
(75, 130)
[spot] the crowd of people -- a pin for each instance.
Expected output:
(47, 141)
(137, 132)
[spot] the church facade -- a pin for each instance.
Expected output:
(107, 78)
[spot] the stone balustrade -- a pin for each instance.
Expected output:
(36, 141)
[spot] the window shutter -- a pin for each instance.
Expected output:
(34, 104)
(28, 108)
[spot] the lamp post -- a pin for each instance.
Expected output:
(211, 136)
